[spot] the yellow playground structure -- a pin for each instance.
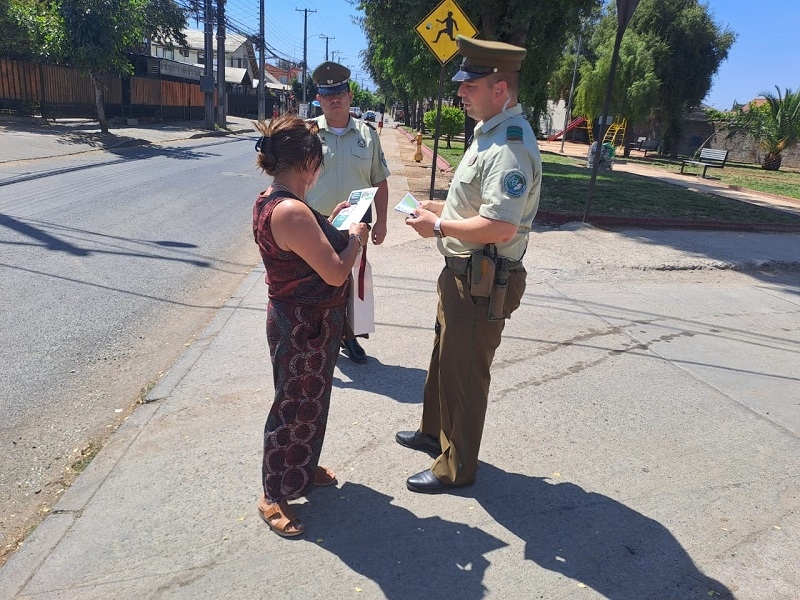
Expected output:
(615, 134)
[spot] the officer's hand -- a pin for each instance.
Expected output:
(433, 206)
(422, 221)
(378, 233)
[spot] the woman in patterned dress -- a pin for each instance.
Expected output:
(308, 264)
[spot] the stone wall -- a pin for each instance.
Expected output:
(742, 148)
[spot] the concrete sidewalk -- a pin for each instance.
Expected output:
(24, 139)
(642, 442)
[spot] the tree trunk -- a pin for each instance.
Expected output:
(99, 102)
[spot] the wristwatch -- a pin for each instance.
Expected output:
(437, 228)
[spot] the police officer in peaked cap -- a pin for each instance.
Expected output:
(482, 231)
(353, 160)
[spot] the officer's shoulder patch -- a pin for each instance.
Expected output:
(514, 133)
(515, 184)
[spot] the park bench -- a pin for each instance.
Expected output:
(708, 158)
(644, 145)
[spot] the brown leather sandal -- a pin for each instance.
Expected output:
(324, 476)
(280, 518)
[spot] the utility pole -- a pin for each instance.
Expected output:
(207, 82)
(305, 12)
(222, 86)
(327, 39)
(261, 45)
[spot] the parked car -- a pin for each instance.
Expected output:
(355, 112)
(369, 116)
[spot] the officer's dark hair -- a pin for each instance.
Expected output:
(288, 142)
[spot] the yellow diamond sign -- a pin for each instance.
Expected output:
(440, 28)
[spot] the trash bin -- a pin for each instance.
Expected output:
(607, 153)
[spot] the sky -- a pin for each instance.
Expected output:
(283, 27)
(765, 54)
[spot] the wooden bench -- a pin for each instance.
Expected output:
(708, 158)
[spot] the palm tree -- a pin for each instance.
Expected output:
(774, 124)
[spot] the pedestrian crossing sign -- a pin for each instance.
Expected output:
(439, 29)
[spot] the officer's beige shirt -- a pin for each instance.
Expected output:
(499, 178)
(352, 161)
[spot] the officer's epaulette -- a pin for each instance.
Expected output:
(370, 125)
(514, 133)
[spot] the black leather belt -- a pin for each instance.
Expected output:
(460, 264)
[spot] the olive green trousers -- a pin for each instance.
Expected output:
(457, 386)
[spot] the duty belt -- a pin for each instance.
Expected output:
(460, 264)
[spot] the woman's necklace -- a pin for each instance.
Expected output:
(286, 188)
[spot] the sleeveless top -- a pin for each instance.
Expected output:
(289, 277)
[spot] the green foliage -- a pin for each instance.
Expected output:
(32, 29)
(687, 48)
(636, 85)
(403, 66)
(775, 124)
(100, 32)
(451, 123)
(667, 58)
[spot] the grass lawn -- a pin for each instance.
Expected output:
(565, 186)
(785, 182)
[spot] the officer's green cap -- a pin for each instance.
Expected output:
(483, 57)
(331, 78)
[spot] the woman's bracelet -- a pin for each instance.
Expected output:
(358, 237)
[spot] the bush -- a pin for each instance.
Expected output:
(452, 122)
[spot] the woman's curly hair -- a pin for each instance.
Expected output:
(288, 142)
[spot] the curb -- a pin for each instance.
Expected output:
(557, 218)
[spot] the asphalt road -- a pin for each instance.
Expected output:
(111, 262)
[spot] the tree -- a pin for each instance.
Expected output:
(687, 47)
(636, 84)
(31, 29)
(99, 33)
(670, 52)
(452, 122)
(402, 65)
(775, 124)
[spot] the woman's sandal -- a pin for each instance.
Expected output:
(324, 476)
(280, 518)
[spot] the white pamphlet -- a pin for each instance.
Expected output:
(407, 204)
(360, 201)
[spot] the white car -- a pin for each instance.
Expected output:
(355, 111)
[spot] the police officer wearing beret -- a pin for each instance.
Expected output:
(353, 160)
(482, 230)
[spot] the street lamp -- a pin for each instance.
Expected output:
(625, 10)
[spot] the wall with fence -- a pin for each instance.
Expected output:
(53, 91)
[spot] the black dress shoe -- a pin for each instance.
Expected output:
(354, 351)
(416, 440)
(426, 483)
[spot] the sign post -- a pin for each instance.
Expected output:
(438, 30)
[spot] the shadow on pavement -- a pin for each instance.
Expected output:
(403, 384)
(592, 538)
(406, 556)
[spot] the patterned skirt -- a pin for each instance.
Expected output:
(304, 345)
